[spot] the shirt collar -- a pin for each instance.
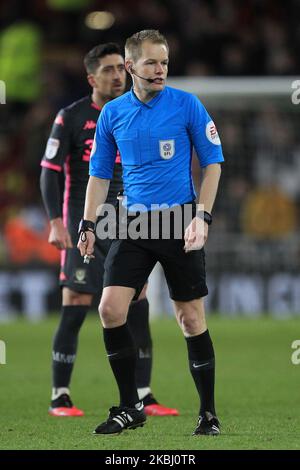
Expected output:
(150, 103)
(93, 104)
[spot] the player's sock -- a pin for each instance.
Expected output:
(138, 322)
(148, 398)
(57, 392)
(143, 392)
(202, 366)
(121, 353)
(65, 344)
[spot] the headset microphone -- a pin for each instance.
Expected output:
(150, 80)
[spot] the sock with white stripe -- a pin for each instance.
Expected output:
(57, 392)
(202, 366)
(121, 353)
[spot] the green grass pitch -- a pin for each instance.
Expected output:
(257, 389)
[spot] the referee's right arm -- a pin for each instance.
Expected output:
(96, 194)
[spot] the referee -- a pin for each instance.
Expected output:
(155, 127)
(67, 156)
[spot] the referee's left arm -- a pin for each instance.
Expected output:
(197, 232)
(209, 186)
(207, 144)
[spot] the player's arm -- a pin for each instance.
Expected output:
(209, 152)
(102, 162)
(209, 186)
(50, 185)
(96, 194)
(51, 180)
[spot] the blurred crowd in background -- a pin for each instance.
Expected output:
(42, 44)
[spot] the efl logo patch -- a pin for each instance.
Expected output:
(52, 148)
(212, 133)
(166, 149)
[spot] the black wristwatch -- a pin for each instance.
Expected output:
(204, 215)
(86, 226)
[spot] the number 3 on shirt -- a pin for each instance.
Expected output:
(87, 151)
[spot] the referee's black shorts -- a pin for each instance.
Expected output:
(130, 262)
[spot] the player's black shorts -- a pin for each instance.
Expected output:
(75, 274)
(130, 262)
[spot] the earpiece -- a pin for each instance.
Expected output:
(130, 69)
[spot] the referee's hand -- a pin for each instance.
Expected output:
(59, 235)
(86, 243)
(195, 235)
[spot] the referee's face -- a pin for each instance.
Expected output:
(109, 79)
(153, 63)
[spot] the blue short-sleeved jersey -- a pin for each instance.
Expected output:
(155, 140)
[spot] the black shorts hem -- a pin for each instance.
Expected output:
(79, 288)
(138, 289)
(187, 298)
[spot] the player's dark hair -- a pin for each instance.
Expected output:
(133, 44)
(92, 58)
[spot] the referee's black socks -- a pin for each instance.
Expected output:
(65, 344)
(202, 366)
(121, 353)
(138, 322)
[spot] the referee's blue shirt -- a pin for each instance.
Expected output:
(155, 140)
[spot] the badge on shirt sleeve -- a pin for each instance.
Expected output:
(212, 133)
(166, 149)
(52, 148)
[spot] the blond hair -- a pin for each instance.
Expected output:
(133, 46)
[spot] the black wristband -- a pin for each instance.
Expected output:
(204, 215)
(86, 226)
